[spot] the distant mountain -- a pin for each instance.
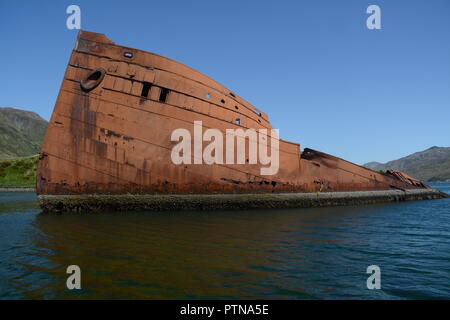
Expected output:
(373, 165)
(432, 164)
(21, 132)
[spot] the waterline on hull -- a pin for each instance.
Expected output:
(135, 202)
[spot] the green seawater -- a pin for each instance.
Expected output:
(319, 253)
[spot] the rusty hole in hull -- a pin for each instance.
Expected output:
(93, 79)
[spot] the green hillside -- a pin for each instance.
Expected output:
(21, 133)
(18, 172)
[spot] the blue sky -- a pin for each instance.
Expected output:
(325, 80)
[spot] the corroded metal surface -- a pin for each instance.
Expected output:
(111, 134)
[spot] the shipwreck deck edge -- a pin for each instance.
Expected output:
(130, 202)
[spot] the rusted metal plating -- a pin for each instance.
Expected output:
(111, 125)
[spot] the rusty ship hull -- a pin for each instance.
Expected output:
(110, 134)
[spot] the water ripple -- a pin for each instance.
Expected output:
(319, 253)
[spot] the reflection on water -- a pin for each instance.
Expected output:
(286, 254)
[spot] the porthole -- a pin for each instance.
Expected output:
(93, 79)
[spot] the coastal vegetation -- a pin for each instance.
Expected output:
(21, 133)
(18, 172)
(21, 136)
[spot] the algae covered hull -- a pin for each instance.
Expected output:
(112, 133)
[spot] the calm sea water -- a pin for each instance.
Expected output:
(318, 253)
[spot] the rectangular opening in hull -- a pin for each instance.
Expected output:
(146, 89)
(163, 95)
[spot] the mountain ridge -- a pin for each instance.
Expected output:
(432, 164)
(21, 132)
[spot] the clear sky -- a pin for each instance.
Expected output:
(325, 79)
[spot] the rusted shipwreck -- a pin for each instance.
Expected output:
(108, 144)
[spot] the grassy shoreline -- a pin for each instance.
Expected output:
(18, 172)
